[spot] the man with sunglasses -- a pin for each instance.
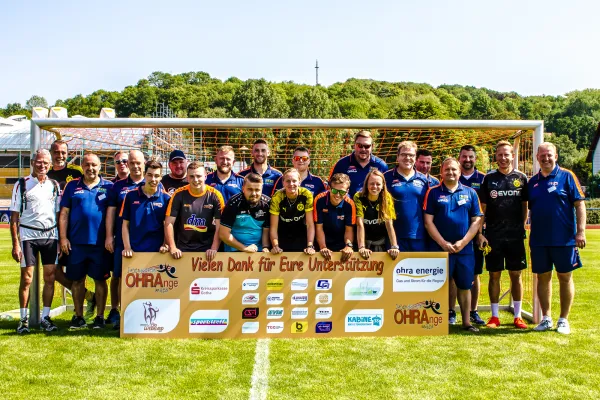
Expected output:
(121, 168)
(301, 161)
(261, 167)
(358, 163)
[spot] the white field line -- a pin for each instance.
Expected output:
(260, 373)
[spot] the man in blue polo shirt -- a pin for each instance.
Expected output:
(423, 165)
(114, 223)
(82, 235)
(301, 161)
(358, 163)
(408, 187)
(452, 218)
(558, 217)
(261, 167)
(227, 182)
(335, 216)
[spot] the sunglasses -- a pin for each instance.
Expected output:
(339, 191)
(123, 161)
(364, 146)
(300, 158)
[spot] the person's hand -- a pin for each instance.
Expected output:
(459, 245)
(481, 241)
(251, 249)
(176, 253)
(127, 252)
(364, 253)
(448, 247)
(310, 250)
(580, 240)
(210, 254)
(346, 253)
(393, 253)
(265, 249)
(276, 249)
(65, 246)
(326, 253)
(163, 249)
(17, 253)
(109, 244)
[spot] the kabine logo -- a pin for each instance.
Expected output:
(299, 284)
(209, 321)
(250, 284)
(323, 284)
(250, 327)
(275, 298)
(323, 327)
(275, 313)
(299, 312)
(250, 298)
(363, 289)
(299, 327)
(323, 313)
(195, 224)
(275, 327)
(151, 316)
(209, 289)
(419, 274)
(275, 284)
(299, 298)
(364, 320)
(416, 314)
(161, 277)
(323, 298)
(250, 313)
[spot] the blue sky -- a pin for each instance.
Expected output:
(63, 48)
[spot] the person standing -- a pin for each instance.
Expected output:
(423, 165)
(227, 182)
(121, 168)
(260, 166)
(558, 217)
(301, 162)
(177, 177)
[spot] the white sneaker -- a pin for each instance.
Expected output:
(545, 325)
(563, 326)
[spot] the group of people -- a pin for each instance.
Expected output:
(92, 223)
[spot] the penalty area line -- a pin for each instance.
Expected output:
(260, 373)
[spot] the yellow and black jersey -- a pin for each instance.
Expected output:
(369, 211)
(65, 175)
(291, 229)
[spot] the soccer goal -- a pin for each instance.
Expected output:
(327, 139)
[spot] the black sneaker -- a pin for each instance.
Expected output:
(117, 326)
(99, 323)
(47, 325)
(475, 318)
(113, 317)
(23, 326)
(77, 323)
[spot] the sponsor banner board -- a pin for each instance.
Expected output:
(290, 295)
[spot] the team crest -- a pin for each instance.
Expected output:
(69, 178)
(300, 207)
(517, 183)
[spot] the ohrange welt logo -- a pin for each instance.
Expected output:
(419, 274)
(151, 316)
(162, 278)
(426, 313)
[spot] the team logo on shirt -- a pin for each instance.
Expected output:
(475, 185)
(517, 183)
(351, 169)
(159, 205)
(195, 224)
(208, 206)
(69, 178)
(78, 191)
(418, 184)
(300, 207)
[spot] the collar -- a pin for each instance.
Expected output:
(355, 161)
(445, 189)
(551, 175)
(254, 171)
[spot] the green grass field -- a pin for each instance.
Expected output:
(501, 363)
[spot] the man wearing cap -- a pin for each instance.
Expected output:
(301, 161)
(177, 178)
(261, 167)
(227, 182)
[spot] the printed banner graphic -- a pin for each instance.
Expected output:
(291, 295)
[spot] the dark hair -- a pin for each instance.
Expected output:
(424, 152)
(195, 165)
(301, 148)
(253, 178)
(260, 141)
(152, 164)
(467, 147)
(57, 143)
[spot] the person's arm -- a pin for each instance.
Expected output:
(394, 249)
(348, 240)
(580, 215)
(273, 233)
(170, 237)
(17, 252)
(476, 222)
(65, 244)
(127, 251)
(480, 239)
(435, 234)
(109, 242)
(265, 240)
(325, 252)
(360, 238)
(214, 248)
(310, 233)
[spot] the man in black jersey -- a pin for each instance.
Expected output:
(503, 197)
(177, 177)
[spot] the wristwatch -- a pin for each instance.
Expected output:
(310, 246)
(394, 247)
(348, 244)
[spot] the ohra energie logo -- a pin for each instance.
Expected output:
(195, 224)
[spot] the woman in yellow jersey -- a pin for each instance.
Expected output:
(292, 224)
(375, 213)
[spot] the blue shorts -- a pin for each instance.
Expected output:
(462, 270)
(90, 260)
(117, 267)
(413, 245)
(565, 259)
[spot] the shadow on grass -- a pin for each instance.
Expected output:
(9, 328)
(484, 331)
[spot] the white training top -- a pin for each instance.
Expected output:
(42, 204)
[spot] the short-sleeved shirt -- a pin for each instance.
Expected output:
(146, 216)
(87, 216)
(503, 196)
(334, 219)
(474, 180)
(42, 202)
(195, 217)
(269, 177)
(172, 184)
(116, 196)
(408, 198)
(292, 215)
(551, 201)
(246, 222)
(432, 180)
(65, 175)
(350, 166)
(452, 212)
(375, 229)
(229, 188)
(311, 182)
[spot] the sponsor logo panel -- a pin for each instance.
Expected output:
(323, 298)
(299, 327)
(427, 313)
(250, 298)
(299, 284)
(275, 327)
(363, 289)
(364, 320)
(323, 313)
(275, 298)
(250, 327)
(250, 284)
(419, 274)
(161, 277)
(299, 298)
(323, 327)
(250, 313)
(209, 321)
(323, 284)
(151, 316)
(299, 312)
(275, 313)
(275, 284)
(209, 289)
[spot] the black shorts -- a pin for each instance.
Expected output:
(506, 254)
(47, 249)
(478, 259)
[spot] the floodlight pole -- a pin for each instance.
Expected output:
(35, 141)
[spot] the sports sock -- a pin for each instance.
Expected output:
(517, 308)
(45, 312)
(562, 319)
(23, 313)
(549, 318)
(495, 310)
